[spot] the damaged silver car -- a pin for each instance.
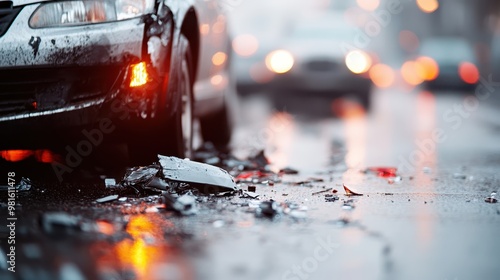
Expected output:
(135, 70)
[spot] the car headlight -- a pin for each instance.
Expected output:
(358, 61)
(279, 61)
(66, 13)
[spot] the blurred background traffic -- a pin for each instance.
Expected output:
(345, 46)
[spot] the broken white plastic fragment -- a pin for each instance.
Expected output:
(107, 198)
(211, 179)
(184, 205)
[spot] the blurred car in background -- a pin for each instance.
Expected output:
(448, 62)
(142, 70)
(314, 58)
(248, 63)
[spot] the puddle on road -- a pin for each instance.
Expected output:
(144, 254)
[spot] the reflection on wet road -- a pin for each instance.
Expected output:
(431, 211)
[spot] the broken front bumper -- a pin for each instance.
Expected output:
(68, 77)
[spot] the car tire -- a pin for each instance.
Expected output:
(170, 136)
(180, 142)
(217, 128)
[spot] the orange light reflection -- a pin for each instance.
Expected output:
(409, 71)
(428, 6)
(147, 251)
(353, 117)
(428, 69)
(382, 75)
(426, 124)
(368, 5)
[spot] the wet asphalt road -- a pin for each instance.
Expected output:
(430, 222)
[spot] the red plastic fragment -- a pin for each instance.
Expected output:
(384, 172)
(249, 175)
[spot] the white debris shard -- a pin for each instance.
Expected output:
(212, 178)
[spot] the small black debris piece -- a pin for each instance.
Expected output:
(268, 209)
(348, 192)
(252, 188)
(289, 171)
(331, 198)
(323, 191)
(491, 199)
(307, 182)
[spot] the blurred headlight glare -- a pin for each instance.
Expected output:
(86, 12)
(279, 61)
(358, 61)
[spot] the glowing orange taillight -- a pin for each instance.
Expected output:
(138, 74)
(44, 156)
(468, 72)
(428, 68)
(16, 155)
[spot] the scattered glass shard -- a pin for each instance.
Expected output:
(108, 198)
(140, 175)
(110, 182)
(348, 192)
(249, 195)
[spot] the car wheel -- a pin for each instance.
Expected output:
(170, 136)
(216, 128)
